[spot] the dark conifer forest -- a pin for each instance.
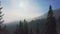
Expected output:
(48, 25)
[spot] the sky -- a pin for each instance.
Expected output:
(26, 9)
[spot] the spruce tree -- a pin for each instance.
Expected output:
(4, 28)
(37, 29)
(16, 31)
(51, 24)
(21, 28)
(31, 30)
(25, 27)
(59, 20)
(1, 15)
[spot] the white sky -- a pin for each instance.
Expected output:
(21, 9)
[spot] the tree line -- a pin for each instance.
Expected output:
(49, 26)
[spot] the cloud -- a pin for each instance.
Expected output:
(21, 9)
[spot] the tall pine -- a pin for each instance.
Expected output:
(25, 27)
(16, 31)
(31, 31)
(51, 22)
(21, 28)
(1, 15)
(37, 29)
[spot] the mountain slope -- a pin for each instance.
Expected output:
(57, 13)
(12, 26)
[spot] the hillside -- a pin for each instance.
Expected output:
(12, 26)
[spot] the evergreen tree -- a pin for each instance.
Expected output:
(37, 29)
(21, 28)
(16, 31)
(59, 20)
(5, 30)
(25, 27)
(31, 31)
(1, 15)
(51, 24)
(4, 27)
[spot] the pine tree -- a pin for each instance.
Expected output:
(51, 24)
(37, 29)
(16, 31)
(5, 30)
(25, 27)
(21, 28)
(4, 27)
(31, 31)
(1, 15)
(59, 20)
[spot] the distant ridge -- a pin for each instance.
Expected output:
(12, 26)
(57, 13)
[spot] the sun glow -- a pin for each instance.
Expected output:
(21, 10)
(21, 4)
